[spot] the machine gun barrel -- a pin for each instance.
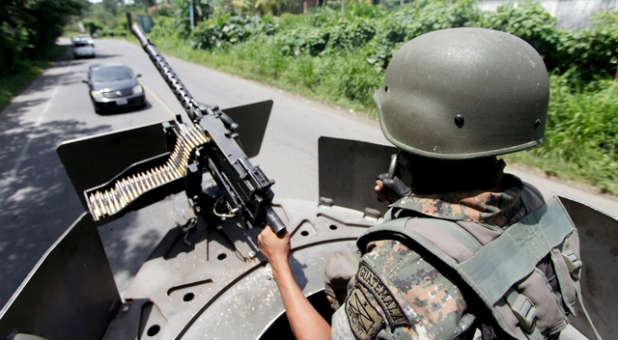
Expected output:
(191, 107)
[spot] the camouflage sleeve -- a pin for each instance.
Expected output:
(396, 294)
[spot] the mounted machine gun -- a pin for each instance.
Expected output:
(209, 142)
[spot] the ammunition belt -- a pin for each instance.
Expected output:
(119, 194)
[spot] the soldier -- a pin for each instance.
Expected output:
(464, 246)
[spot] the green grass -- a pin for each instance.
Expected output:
(13, 83)
(581, 135)
(313, 77)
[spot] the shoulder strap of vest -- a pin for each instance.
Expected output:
(532, 198)
(514, 254)
(495, 267)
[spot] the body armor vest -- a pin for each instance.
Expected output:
(500, 264)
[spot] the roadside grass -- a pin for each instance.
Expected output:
(581, 135)
(581, 119)
(12, 84)
(317, 78)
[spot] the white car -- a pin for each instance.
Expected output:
(82, 46)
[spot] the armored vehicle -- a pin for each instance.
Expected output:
(206, 278)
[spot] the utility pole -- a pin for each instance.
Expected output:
(191, 15)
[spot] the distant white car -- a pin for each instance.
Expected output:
(82, 46)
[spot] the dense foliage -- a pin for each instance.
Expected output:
(581, 134)
(29, 28)
(590, 51)
(341, 58)
(377, 33)
(229, 30)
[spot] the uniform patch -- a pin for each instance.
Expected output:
(364, 319)
(391, 308)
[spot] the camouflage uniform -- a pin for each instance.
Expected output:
(442, 265)
(399, 293)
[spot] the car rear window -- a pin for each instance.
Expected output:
(80, 43)
(111, 73)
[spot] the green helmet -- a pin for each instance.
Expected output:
(464, 93)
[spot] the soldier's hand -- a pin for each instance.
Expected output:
(275, 248)
(390, 189)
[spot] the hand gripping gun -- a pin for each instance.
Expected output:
(209, 142)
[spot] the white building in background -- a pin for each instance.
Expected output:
(569, 13)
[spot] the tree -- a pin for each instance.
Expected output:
(144, 3)
(101, 16)
(112, 5)
(29, 27)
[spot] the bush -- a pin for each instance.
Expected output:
(592, 51)
(359, 81)
(92, 26)
(588, 52)
(351, 35)
(118, 32)
(530, 22)
(582, 132)
(229, 30)
(303, 41)
(164, 11)
(13, 45)
(364, 10)
(409, 22)
(165, 28)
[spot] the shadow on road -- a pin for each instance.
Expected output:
(37, 198)
(69, 60)
(110, 112)
(45, 83)
(105, 56)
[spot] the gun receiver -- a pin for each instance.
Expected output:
(208, 143)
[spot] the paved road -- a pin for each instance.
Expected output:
(38, 201)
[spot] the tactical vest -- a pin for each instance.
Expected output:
(500, 264)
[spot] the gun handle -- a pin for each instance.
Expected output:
(275, 223)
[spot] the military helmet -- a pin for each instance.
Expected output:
(464, 93)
